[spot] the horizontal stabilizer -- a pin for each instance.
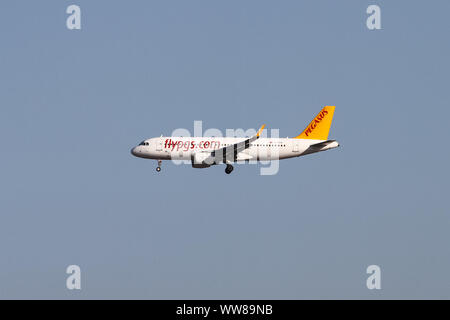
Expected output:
(321, 146)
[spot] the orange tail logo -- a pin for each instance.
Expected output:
(320, 126)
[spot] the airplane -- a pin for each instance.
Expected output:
(204, 152)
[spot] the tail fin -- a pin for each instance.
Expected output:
(320, 126)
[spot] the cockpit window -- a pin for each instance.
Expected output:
(142, 143)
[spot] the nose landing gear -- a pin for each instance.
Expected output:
(229, 169)
(158, 168)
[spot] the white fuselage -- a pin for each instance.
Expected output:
(184, 148)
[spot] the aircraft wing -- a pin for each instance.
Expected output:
(229, 153)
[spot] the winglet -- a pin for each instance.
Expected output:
(260, 131)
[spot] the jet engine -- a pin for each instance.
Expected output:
(198, 160)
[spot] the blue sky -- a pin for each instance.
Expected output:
(73, 103)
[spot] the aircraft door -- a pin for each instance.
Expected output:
(159, 145)
(295, 146)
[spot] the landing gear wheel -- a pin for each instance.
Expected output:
(158, 168)
(229, 169)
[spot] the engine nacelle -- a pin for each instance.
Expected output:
(198, 160)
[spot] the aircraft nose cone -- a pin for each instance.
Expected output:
(134, 151)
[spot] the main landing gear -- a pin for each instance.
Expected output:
(158, 168)
(229, 169)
